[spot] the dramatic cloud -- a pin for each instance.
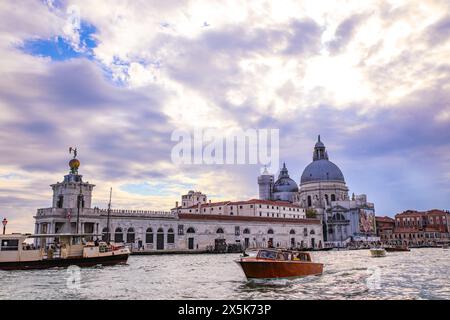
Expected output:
(115, 78)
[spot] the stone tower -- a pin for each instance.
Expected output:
(72, 189)
(265, 182)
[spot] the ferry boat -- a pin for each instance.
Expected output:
(278, 263)
(68, 249)
(377, 252)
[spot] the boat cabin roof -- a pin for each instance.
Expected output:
(48, 235)
(283, 254)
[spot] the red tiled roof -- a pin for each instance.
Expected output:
(192, 216)
(251, 201)
(421, 213)
(384, 219)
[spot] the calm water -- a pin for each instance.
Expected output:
(419, 274)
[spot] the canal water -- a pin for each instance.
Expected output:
(419, 274)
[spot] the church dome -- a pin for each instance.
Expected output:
(321, 169)
(284, 182)
(285, 185)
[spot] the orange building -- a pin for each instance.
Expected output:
(421, 227)
(385, 227)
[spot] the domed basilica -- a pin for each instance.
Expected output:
(324, 192)
(321, 182)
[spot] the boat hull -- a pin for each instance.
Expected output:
(64, 263)
(257, 269)
(378, 253)
(396, 249)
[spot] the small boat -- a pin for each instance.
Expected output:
(396, 248)
(69, 249)
(278, 263)
(377, 252)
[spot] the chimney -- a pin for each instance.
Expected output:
(176, 204)
(209, 201)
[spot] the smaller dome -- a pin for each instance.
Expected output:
(285, 184)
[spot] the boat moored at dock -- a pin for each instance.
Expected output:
(399, 248)
(68, 249)
(278, 263)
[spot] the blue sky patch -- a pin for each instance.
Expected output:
(59, 48)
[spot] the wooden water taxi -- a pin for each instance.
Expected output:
(377, 252)
(277, 263)
(68, 249)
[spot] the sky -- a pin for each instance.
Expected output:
(115, 78)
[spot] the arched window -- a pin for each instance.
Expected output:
(313, 232)
(309, 201)
(190, 230)
(270, 231)
(130, 235)
(160, 230)
(333, 197)
(104, 234)
(170, 236)
(246, 231)
(292, 231)
(149, 235)
(60, 202)
(118, 235)
(219, 230)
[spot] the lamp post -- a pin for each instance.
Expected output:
(4, 222)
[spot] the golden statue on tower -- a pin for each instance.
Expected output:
(74, 164)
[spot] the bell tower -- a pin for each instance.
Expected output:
(72, 190)
(265, 183)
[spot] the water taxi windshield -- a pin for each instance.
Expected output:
(266, 254)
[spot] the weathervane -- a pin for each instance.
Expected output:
(74, 150)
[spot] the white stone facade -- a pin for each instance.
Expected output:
(195, 225)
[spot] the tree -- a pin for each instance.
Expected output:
(311, 213)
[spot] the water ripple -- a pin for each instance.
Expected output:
(419, 274)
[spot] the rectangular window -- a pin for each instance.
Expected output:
(237, 231)
(251, 206)
(240, 207)
(10, 245)
(180, 229)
